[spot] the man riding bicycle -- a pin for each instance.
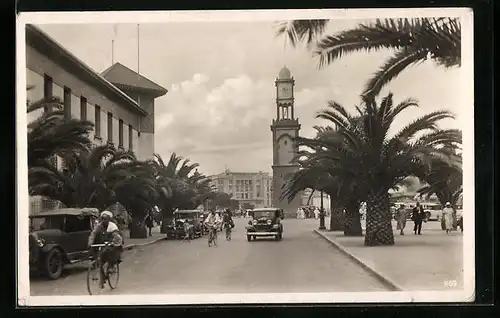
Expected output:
(211, 222)
(107, 231)
(228, 223)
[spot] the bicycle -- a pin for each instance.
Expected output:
(95, 268)
(212, 235)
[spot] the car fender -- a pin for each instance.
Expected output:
(50, 246)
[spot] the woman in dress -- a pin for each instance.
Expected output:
(448, 217)
(401, 219)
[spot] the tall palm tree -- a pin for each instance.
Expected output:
(380, 162)
(314, 174)
(412, 40)
(178, 185)
(51, 134)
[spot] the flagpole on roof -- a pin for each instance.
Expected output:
(113, 44)
(138, 49)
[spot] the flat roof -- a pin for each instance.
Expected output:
(38, 39)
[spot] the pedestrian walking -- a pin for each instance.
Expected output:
(149, 222)
(188, 229)
(447, 215)
(418, 217)
(316, 213)
(401, 219)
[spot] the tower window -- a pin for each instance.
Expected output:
(286, 142)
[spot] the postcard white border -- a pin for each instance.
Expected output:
(467, 294)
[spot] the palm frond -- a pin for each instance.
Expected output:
(297, 31)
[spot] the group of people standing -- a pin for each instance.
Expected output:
(303, 214)
(418, 217)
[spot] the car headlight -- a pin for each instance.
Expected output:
(269, 222)
(40, 242)
(275, 226)
(254, 222)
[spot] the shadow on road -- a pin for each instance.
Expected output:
(67, 271)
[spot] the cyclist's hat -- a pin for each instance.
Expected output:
(106, 214)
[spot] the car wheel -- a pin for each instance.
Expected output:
(53, 264)
(279, 237)
(254, 237)
(249, 238)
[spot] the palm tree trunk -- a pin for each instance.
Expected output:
(378, 220)
(352, 224)
(137, 228)
(335, 216)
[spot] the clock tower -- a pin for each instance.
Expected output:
(285, 128)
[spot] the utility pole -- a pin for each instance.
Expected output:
(322, 214)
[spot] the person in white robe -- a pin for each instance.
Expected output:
(448, 217)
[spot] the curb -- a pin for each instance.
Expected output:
(384, 280)
(132, 246)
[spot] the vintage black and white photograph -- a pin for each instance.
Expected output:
(285, 156)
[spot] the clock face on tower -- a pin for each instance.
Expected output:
(285, 91)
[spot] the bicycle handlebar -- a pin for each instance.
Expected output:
(101, 245)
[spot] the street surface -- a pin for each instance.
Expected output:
(301, 262)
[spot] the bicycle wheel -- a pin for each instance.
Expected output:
(113, 273)
(93, 278)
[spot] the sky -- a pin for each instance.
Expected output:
(220, 77)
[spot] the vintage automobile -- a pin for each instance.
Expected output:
(176, 228)
(265, 222)
(433, 211)
(59, 237)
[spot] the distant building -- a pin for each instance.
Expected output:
(246, 187)
(120, 102)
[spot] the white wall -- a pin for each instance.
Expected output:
(135, 142)
(36, 93)
(146, 146)
(57, 91)
(104, 127)
(116, 132)
(91, 117)
(75, 106)
(125, 136)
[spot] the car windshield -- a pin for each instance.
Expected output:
(263, 214)
(188, 216)
(48, 222)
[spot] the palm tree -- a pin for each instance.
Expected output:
(444, 179)
(412, 40)
(51, 134)
(178, 187)
(99, 178)
(315, 164)
(379, 162)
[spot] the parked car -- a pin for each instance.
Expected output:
(265, 222)
(59, 237)
(433, 211)
(176, 228)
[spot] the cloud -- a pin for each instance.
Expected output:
(230, 120)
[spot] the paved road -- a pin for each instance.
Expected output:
(301, 262)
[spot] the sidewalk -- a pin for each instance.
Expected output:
(137, 242)
(415, 262)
